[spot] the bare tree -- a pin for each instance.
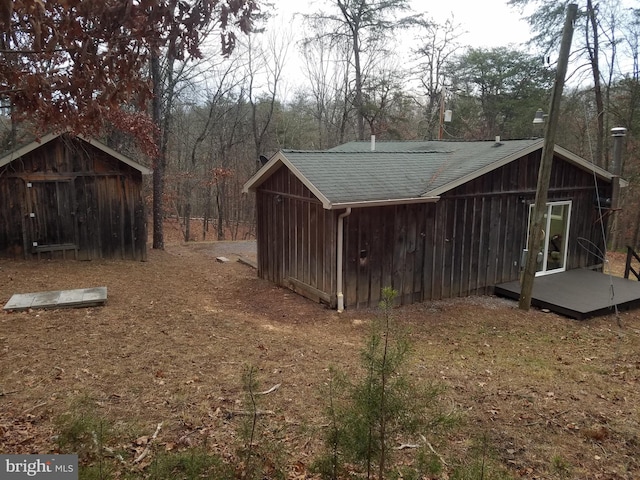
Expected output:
(438, 43)
(364, 25)
(264, 67)
(385, 102)
(187, 25)
(201, 167)
(328, 76)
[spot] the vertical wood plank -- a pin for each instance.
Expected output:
(361, 263)
(429, 252)
(439, 249)
(350, 271)
(387, 218)
(484, 253)
(462, 245)
(313, 245)
(376, 256)
(420, 215)
(409, 220)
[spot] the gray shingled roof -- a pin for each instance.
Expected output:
(353, 174)
(399, 146)
(385, 174)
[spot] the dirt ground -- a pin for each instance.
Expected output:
(551, 397)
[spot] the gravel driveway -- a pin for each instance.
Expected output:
(231, 249)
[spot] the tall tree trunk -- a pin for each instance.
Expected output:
(187, 221)
(594, 52)
(160, 160)
(163, 90)
(13, 137)
(207, 213)
(220, 197)
(359, 100)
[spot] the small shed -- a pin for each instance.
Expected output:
(432, 220)
(69, 196)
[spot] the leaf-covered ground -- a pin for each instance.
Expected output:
(543, 396)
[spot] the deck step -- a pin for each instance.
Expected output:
(81, 297)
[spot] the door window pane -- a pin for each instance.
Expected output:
(551, 254)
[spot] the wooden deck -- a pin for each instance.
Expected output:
(579, 293)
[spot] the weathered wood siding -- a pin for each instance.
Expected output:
(385, 247)
(69, 193)
(467, 242)
(12, 216)
(296, 238)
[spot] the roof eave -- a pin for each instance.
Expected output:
(558, 150)
(278, 160)
(11, 156)
(261, 175)
(110, 151)
(484, 170)
(586, 165)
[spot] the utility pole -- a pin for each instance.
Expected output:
(441, 122)
(544, 173)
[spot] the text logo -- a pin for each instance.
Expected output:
(50, 467)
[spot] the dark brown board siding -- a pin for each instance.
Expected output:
(296, 237)
(464, 244)
(70, 193)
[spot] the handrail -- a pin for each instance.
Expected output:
(631, 254)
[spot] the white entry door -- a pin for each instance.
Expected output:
(552, 252)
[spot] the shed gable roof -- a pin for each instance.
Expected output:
(400, 172)
(25, 149)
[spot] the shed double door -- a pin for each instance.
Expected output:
(51, 217)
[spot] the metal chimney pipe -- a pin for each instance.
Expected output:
(618, 134)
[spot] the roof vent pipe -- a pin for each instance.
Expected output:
(373, 143)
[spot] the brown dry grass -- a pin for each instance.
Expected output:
(555, 398)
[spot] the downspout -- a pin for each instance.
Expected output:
(340, 252)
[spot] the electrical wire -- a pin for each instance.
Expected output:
(602, 254)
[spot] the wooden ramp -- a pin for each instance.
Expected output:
(579, 293)
(82, 297)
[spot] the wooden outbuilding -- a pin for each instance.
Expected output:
(432, 220)
(68, 196)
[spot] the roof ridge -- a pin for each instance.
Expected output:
(361, 152)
